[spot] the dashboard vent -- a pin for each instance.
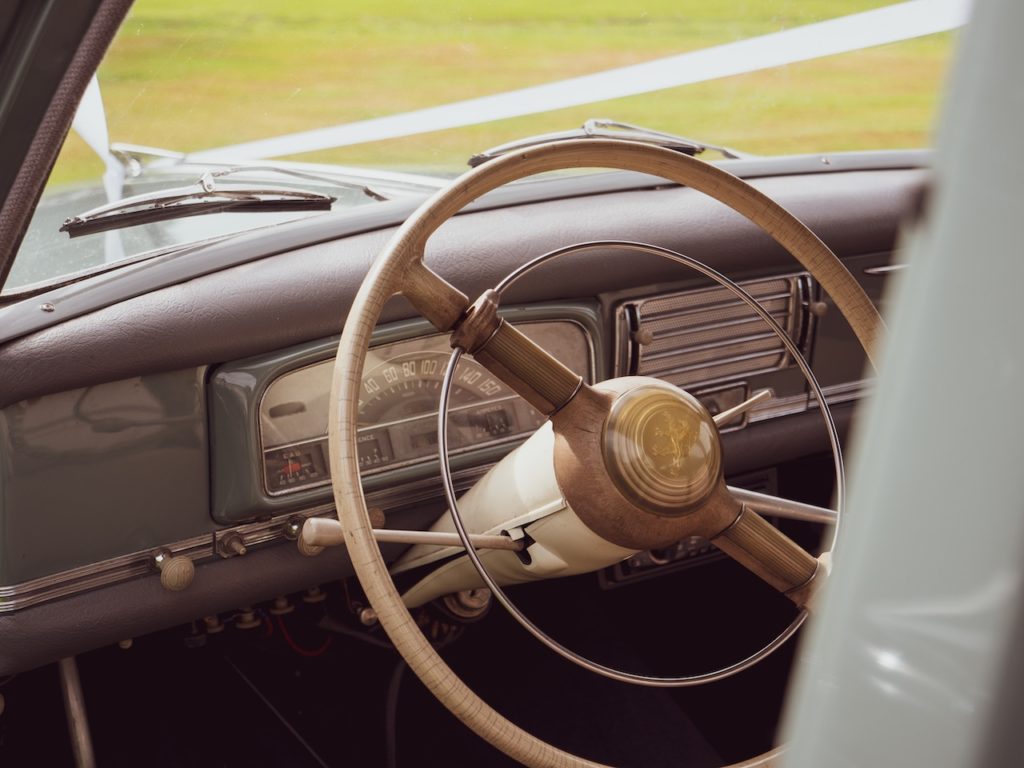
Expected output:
(708, 336)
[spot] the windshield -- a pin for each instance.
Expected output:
(213, 79)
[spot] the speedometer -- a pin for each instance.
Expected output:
(399, 395)
(398, 407)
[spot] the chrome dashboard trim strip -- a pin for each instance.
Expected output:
(842, 393)
(205, 547)
(835, 394)
(94, 575)
(779, 406)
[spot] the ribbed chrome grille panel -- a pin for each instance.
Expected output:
(707, 336)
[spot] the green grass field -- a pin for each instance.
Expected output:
(194, 74)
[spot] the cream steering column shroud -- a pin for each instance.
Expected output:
(519, 495)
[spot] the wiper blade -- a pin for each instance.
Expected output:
(192, 201)
(602, 128)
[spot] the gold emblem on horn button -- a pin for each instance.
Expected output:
(661, 449)
(668, 439)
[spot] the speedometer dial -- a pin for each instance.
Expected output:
(398, 407)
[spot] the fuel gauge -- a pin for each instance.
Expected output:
(297, 466)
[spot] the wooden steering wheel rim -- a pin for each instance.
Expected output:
(399, 268)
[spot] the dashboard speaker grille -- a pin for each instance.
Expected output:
(708, 336)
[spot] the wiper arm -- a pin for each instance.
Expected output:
(602, 128)
(323, 179)
(191, 201)
(135, 157)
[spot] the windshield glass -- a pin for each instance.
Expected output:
(212, 79)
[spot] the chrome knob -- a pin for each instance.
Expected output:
(232, 545)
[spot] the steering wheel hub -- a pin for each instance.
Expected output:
(661, 449)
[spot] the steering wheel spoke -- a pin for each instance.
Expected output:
(543, 381)
(534, 374)
(435, 298)
(775, 506)
(767, 552)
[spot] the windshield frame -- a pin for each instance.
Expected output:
(44, 71)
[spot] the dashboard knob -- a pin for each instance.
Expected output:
(281, 606)
(314, 595)
(176, 573)
(643, 336)
(307, 547)
(320, 532)
(293, 528)
(247, 619)
(232, 545)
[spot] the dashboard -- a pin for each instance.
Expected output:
(182, 405)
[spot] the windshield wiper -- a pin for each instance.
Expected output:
(602, 128)
(204, 198)
(319, 177)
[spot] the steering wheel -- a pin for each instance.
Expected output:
(619, 458)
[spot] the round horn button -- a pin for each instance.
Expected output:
(662, 450)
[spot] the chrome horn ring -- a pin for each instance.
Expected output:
(499, 593)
